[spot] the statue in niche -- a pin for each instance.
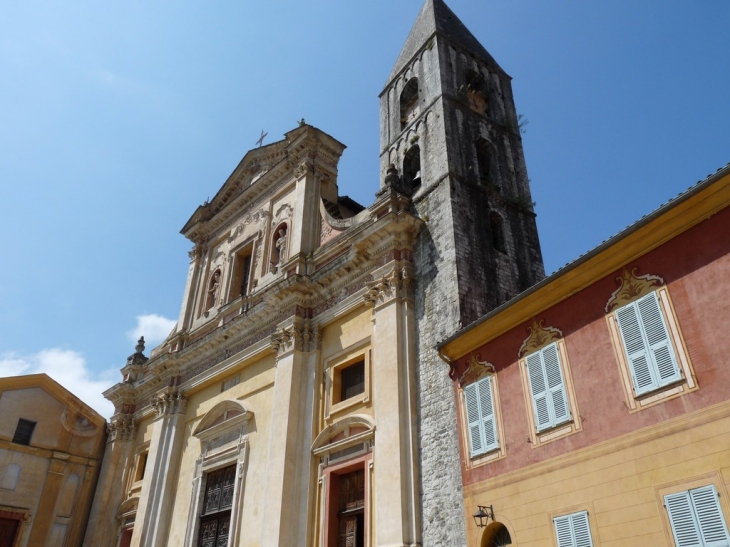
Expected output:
(214, 290)
(279, 251)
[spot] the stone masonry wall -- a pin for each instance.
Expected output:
(437, 316)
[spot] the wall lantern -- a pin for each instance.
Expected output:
(483, 514)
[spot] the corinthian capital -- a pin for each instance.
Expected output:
(287, 340)
(170, 402)
(122, 427)
(395, 284)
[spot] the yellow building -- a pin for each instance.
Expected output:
(51, 445)
(595, 407)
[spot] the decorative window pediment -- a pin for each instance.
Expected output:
(632, 287)
(348, 436)
(540, 336)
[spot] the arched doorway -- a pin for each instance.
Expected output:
(496, 535)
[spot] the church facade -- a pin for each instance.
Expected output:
(300, 399)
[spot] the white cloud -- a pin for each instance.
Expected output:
(69, 369)
(153, 327)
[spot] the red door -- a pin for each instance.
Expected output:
(8, 530)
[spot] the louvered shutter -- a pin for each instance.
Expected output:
(556, 386)
(708, 514)
(476, 442)
(636, 350)
(486, 406)
(563, 531)
(682, 518)
(581, 529)
(538, 389)
(657, 338)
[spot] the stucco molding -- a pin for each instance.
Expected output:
(631, 287)
(476, 370)
(539, 337)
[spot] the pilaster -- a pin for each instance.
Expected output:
(287, 486)
(395, 460)
(158, 488)
(102, 526)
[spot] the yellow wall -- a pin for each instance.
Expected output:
(619, 482)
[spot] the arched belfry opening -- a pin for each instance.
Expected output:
(496, 224)
(412, 168)
(485, 163)
(409, 102)
(496, 535)
(476, 92)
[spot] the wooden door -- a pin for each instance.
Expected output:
(8, 531)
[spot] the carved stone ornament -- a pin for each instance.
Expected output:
(122, 427)
(197, 252)
(396, 284)
(169, 402)
(631, 287)
(476, 370)
(540, 336)
(287, 340)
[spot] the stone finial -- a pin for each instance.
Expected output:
(391, 176)
(138, 357)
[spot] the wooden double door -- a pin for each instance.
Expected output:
(351, 516)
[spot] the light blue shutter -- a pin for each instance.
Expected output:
(581, 529)
(476, 442)
(636, 350)
(556, 385)
(709, 517)
(539, 390)
(657, 337)
(573, 530)
(563, 531)
(684, 524)
(486, 405)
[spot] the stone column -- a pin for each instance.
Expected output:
(152, 524)
(45, 513)
(396, 479)
(110, 491)
(287, 483)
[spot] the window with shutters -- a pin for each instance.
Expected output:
(648, 344)
(696, 518)
(480, 417)
(573, 530)
(549, 394)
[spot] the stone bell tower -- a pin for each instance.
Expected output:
(449, 126)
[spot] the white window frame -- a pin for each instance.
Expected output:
(687, 383)
(573, 530)
(696, 518)
(647, 344)
(544, 367)
(481, 418)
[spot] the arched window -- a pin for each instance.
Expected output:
(409, 102)
(476, 90)
(279, 241)
(496, 535)
(497, 228)
(412, 168)
(484, 162)
(214, 289)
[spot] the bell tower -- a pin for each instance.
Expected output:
(448, 125)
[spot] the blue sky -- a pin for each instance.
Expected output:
(117, 120)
